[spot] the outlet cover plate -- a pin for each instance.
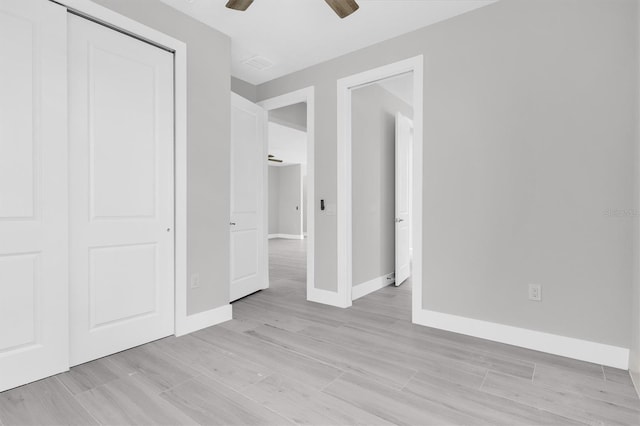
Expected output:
(535, 292)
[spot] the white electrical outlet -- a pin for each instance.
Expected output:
(535, 292)
(195, 280)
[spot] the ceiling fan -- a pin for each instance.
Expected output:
(274, 159)
(342, 8)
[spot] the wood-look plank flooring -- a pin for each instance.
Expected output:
(285, 361)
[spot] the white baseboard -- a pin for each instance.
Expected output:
(584, 350)
(286, 236)
(326, 297)
(368, 287)
(635, 379)
(205, 319)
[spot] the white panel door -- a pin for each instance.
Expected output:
(403, 197)
(33, 192)
(248, 214)
(121, 191)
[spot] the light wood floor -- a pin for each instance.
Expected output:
(283, 361)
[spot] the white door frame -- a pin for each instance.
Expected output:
(112, 19)
(303, 95)
(345, 232)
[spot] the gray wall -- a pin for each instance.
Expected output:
(529, 139)
(373, 160)
(244, 89)
(634, 363)
(290, 200)
(304, 200)
(274, 199)
(294, 116)
(285, 194)
(208, 127)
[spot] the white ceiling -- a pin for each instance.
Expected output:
(287, 144)
(296, 34)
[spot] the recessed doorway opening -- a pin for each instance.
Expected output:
(380, 137)
(291, 132)
(287, 210)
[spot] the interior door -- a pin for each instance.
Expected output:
(248, 189)
(33, 192)
(121, 191)
(403, 197)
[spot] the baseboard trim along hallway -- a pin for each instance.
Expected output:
(370, 286)
(286, 236)
(205, 319)
(326, 297)
(583, 350)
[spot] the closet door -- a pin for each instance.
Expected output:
(121, 191)
(33, 192)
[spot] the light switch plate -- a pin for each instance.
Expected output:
(195, 280)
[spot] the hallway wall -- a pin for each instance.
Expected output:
(285, 200)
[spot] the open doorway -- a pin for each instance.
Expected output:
(265, 153)
(381, 139)
(290, 142)
(287, 163)
(380, 115)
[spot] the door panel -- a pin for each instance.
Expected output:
(403, 197)
(17, 168)
(247, 227)
(121, 190)
(33, 192)
(116, 271)
(120, 115)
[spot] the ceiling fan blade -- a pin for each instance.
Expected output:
(343, 8)
(239, 4)
(275, 160)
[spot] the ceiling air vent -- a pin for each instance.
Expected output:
(258, 62)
